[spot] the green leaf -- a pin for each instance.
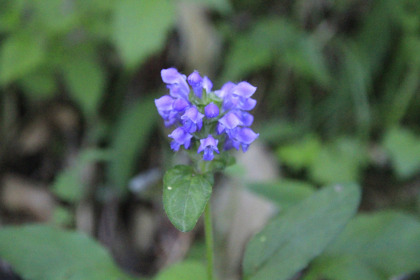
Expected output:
(272, 39)
(387, 242)
(339, 162)
(290, 241)
(300, 154)
(343, 268)
(185, 195)
(306, 58)
(284, 193)
(85, 80)
(20, 54)
(40, 252)
(140, 28)
(39, 84)
(256, 48)
(53, 17)
(187, 270)
(68, 184)
(404, 150)
(129, 140)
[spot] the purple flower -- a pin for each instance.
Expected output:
(239, 97)
(222, 93)
(181, 137)
(208, 145)
(240, 137)
(246, 118)
(196, 82)
(164, 106)
(207, 84)
(245, 136)
(211, 110)
(192, 120)
(169, 108)
(228, 122)
(176, 82)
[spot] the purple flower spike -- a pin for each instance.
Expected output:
(176, 82)
(192, 120)
(196, 83)
(181, 137)
(227, 117)
(208, 145)
(211, 110)
(228, 122)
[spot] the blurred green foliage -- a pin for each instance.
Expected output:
(339, 102)
(46, 253)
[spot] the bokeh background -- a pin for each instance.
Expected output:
(82, 146)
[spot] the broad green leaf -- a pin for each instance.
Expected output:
(129, 140)
(387, 242)
(300, 154)
(140, 28)
(187, 270)
(287, 244)
(19, 54)
(343, 268)
(39, 252)
(284, 193)
(404, 150)
(85, 80)
(185, 195)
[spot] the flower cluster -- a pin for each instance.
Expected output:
(208, 118)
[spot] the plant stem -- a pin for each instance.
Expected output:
(208, 228)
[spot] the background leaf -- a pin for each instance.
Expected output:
(387, 243)
(19, 54)
(132, 132)
(86, 80)
(284, 193)
(40, 252)
(339, 162)
(290, 241)
(185, 195)
(404, 150)
(300, 153)
(187, 270)
(133, 34)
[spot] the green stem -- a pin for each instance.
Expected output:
(208, 228)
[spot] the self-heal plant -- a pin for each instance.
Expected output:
(206, 124)
(201, 113)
